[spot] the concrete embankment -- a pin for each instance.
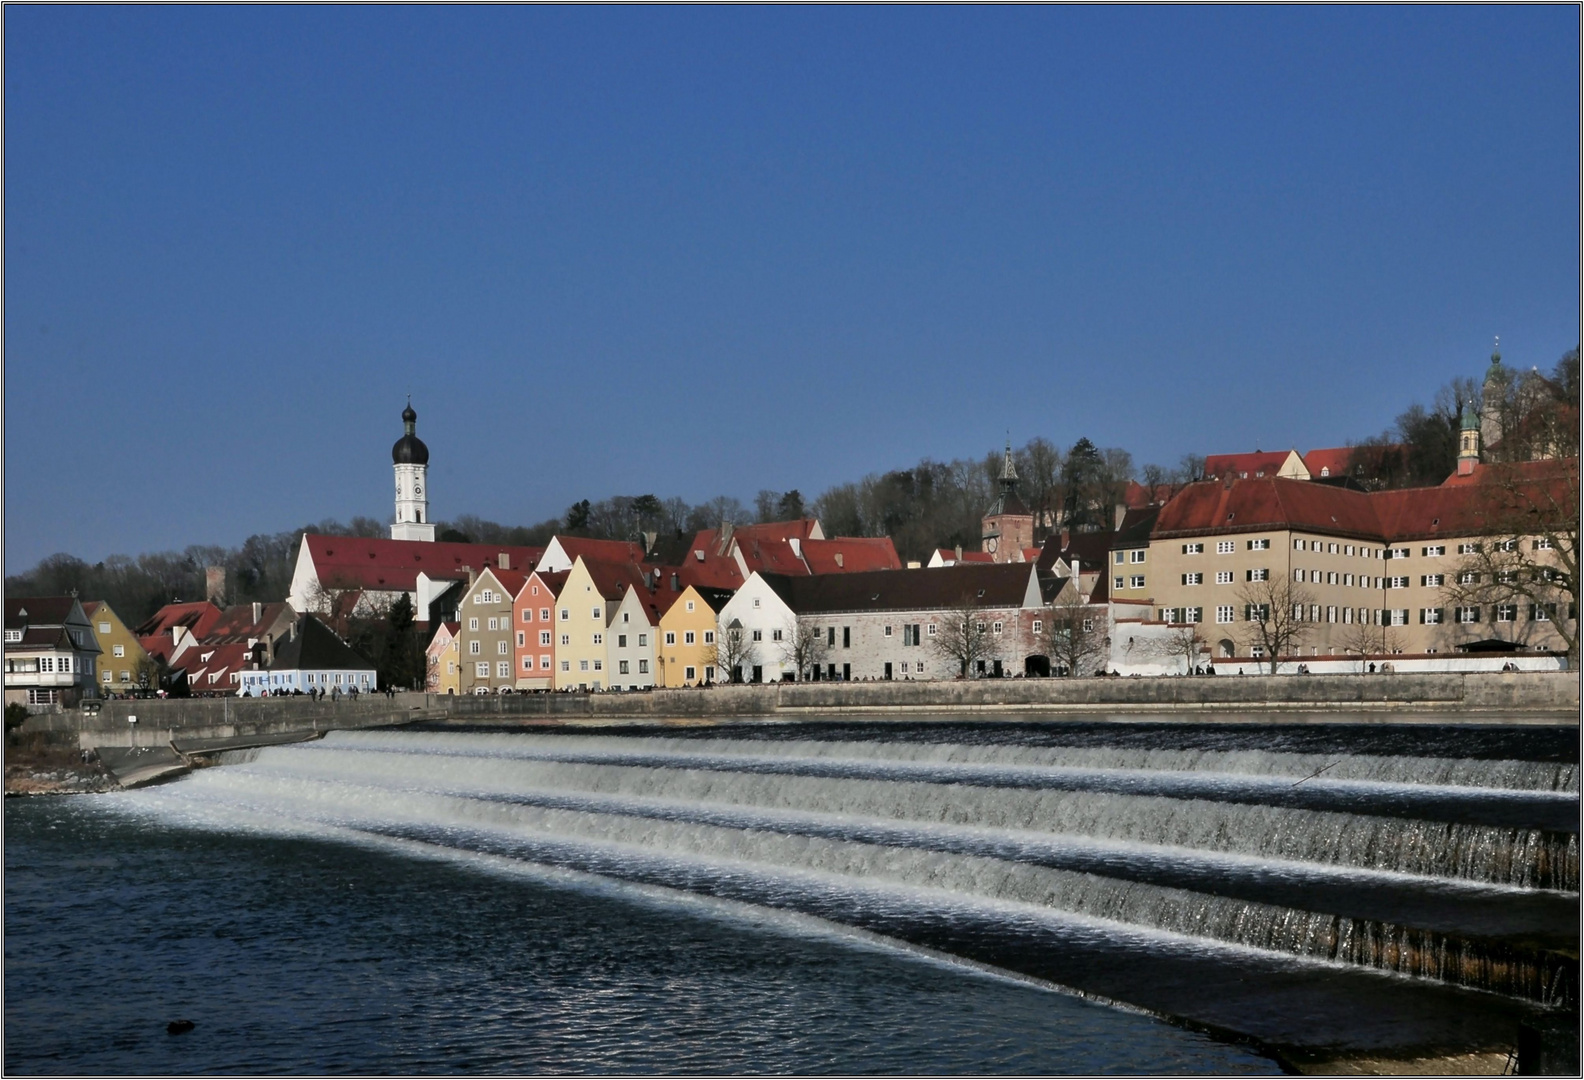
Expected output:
(201, 725)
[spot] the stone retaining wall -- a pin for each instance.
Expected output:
(1484, 696)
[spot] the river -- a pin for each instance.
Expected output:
(802, 897)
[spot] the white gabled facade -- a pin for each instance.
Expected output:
(767, 622)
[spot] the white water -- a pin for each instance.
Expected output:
(883, 840)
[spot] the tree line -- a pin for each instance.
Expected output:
(933, 504)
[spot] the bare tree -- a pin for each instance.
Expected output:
(1273, 616)
(963, 637)
(1185, 642)
(1073, 635)
(731, 652)
(1362, 640)
(803, 645)
(1526, 561)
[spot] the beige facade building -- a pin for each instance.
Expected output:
(123, 663)
(484, 633)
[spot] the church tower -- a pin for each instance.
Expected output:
(1498, 379)
(1008, 525)
(1468, 441)
(410, 457)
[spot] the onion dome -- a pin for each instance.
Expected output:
(409, 449)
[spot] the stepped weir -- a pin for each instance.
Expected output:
(1321, 903)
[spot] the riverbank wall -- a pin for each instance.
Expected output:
(1522, 697)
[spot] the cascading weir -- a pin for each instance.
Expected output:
(1333, 888)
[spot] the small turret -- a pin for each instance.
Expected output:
(1468, 440)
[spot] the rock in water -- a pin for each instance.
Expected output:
(179, 1027)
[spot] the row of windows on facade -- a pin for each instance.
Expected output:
(64, 665)
(1473, 613)
(1429, 551)
(309, 678)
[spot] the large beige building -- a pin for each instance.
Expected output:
(1392, 572)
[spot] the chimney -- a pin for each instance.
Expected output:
(472, 575)
(258, 612)
(1075, 568)
(214, 583)
(503, 560)
(838, 560)
(649, 539)
(959, 552)
(676, 585)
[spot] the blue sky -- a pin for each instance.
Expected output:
(703, 251)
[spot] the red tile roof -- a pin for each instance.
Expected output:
(237, 622)
(770, 556)
(850, 554)
(1213, 506)
(614, 579)
(603, 550)
(198, 617)
(1138, 495)
(1332, 461)
(1261, 462)
(553, 582)
(373, 563)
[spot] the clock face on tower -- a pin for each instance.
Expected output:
(991, 545)
(417, 489)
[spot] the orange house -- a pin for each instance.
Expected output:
(533, 619)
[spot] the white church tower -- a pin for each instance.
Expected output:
(411, 461)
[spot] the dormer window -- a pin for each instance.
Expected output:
(13, 635)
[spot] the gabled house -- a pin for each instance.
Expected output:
(486, 632)
(601, 615)
(534, 614)
(215, 670)
(123, 663)
(687, 628)
(1256, 466)
(441, 660)
(563, 551)
(162, 633)
(51, 654)
(347, 574)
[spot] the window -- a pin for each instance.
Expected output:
(544, 663)
(107, 675)
(1259, 545)
(566, 639)
(1299, 545)
(1397, 583)
(1507, 545)
(1433, 581)
(1224, 613)
(1168, 615)
(599, 665)
(1430, 616)
(980, 626)
(599, 639)
(1120, 557)
(1468, 614)
(1256, 612)
(919, 667)
(485, 596)
(566, 665)
(1542, 544)
(1136, 581)
(1088, 625)
(1331, 613)
(1399, 616)
(1542, 612)
(643, 667)
(1506, 577)
(527, 663)
(501, 647)
(1193, 549)
(118, 650)
(544, 614)
(1225, 547)
(1136, 556)
(929, 630)
(566, 614)
(1332, 548)
(527, 614)
(1315, 576)
(494, 624)
(688, 637)
(1257, 575)
(643, 640)
(503, 669)
(473, 623)
(1435, 551)
(522, 639)
(1039, 624)
(1193, 579)
(709, 637)
(1193, 615)
(1397, 553)
(1298, 573)
(1468, 549)
(582, 665)
(13, 635)
(670, 638)
(758, 635)
(596, 614)
(621, 667)
(996, 627)
(626, 617)
(480, 670)
(475, 647)
(621, 643)
(690, 605)
(544, 639)
(1347, 579)
(1117, 582)
(1256, 651)
(1223, 577)
(887, 633)
(690, 673)
(1348, 550)
(775, 635)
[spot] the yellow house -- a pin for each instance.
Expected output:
(686, 653)
(443, 658)
(123, 660)
(582, 621)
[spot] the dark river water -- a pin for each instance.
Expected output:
(297, 955)
(804, 898)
